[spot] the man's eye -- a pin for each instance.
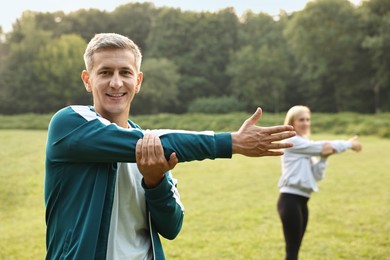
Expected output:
(127, 73)
(104, 72)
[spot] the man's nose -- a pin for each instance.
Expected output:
(116, 81)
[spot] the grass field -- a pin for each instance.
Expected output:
(230, 205)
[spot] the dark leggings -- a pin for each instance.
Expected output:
(294, 214)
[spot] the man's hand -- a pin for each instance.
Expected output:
(151, 161)
(255, 141)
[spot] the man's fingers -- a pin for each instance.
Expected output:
(149, 148)
(266, 153)
(138, 150)
(282, 136)
(173, 160)
(270, 138)
(158, 149)
(273, 153)
(146, 143)
(279, 145)
(278, 129)
(254, 118)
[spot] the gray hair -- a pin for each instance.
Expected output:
(110, 41)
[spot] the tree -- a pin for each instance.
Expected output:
(215, 36)
(259, 77)
(199, 44)
(325, 40)
(84, 22)
(330, 56)
(58, 66)
(274, 69)
(260, 29)
(159, 89)
(137, 18)
(52, 22)
(21, 90)
(376, 17)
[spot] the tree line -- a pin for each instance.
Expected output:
(331, 56)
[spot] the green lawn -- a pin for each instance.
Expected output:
(230, 205)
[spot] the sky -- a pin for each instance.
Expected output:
(14, 8)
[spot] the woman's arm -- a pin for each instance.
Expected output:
(327, 150)
(338, 146)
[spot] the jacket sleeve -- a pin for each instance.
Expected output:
(165, 207)
(78, 134)
(314, 148)
(318, 168)
(305, 146)
(340, 145)
(319, 165)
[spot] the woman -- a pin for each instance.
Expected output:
(303, 166)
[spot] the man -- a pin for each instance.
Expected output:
(99, 204)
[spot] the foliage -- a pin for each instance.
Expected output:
(230, 205)
(216, 105)
(159, 89)
(58, 66)
(85, 23)
(332, 56)
(25, 121)
(340, 123)
(20, 89)
(199, 44)
(137, 18)
(325, 40)
(258, 77)
(376, 17)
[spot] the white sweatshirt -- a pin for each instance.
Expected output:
(301, 167)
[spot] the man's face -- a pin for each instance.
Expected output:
(113, 81)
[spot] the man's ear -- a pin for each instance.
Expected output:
(85, 79)
(139, 82)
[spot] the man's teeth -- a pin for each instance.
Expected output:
(116, 95)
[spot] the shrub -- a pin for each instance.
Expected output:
(216, 105)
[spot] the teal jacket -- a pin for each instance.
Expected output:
(82, 153)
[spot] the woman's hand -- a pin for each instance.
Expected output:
(356, 145)
(327, 150)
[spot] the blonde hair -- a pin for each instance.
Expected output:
(110, 41)
(294, 112)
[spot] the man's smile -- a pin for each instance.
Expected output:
(116, 95)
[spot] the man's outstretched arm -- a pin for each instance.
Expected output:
(78, 134)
